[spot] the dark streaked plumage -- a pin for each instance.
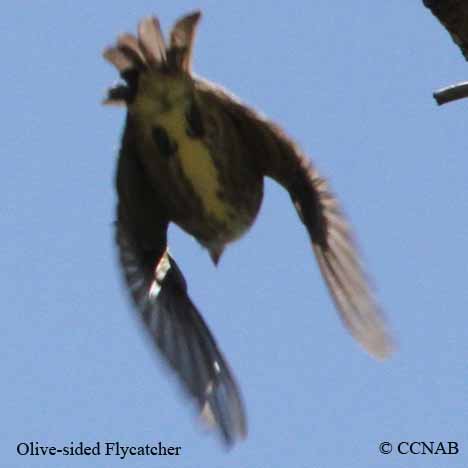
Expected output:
(194, 155)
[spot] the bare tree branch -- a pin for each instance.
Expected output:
(451, 93)
(453, 14)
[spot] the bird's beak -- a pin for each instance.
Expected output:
(215, 254)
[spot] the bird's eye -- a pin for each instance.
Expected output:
(195, 128)
(165, 145)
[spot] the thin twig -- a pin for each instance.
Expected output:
(451, 93)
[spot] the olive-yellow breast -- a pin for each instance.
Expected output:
(163, 102)
(206, 192)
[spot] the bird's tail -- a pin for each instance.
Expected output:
(148, 51)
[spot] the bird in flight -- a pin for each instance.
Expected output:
(194, 155)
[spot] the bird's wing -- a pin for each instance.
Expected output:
(160, 294)
(280, 158)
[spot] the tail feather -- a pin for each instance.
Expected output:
(149, 51)
(182, 40)
(151, 42)
(130, 47)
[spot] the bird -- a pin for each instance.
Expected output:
(195, 155)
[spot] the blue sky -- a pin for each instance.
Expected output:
(352, 84)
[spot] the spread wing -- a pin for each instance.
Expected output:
(332, 241)
(338, 258)
(160, 294)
